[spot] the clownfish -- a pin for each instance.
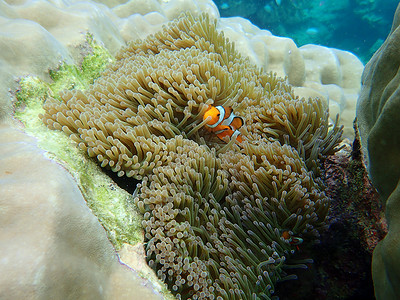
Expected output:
(223, 122)
(293, 240)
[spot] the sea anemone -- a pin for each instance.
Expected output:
(213, 213)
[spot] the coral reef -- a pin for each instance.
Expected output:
(38, 36)
(201, 198)
(59, 29)
(378, 116)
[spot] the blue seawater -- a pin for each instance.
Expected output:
(359, 26)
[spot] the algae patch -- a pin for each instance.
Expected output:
(94, 62)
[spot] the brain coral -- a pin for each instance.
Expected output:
(218, 217)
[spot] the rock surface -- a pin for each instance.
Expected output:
(378, 114)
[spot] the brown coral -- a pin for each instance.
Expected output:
(213, 214)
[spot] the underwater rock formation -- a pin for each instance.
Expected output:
(378, 114)
(201, 197)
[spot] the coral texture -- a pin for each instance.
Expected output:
(378, 114)
(214, 213)
(52, 246)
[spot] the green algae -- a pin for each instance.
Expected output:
(112, 205)
(67, 77)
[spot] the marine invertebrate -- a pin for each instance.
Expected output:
(200, 197)
(155, 94)
(213, 230)
(180, 203)
(301, 123)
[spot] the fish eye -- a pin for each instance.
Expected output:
(218, 115)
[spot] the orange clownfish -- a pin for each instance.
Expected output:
(223, 122)
(293, 240)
